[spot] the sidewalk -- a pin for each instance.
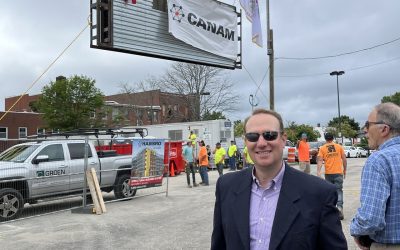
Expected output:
(183, 220)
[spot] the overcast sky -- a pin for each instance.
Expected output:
(33, 33)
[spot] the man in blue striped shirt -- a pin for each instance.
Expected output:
(377, 221)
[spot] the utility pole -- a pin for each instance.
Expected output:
(270, 52)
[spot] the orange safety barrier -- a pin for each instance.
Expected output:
(291, 155)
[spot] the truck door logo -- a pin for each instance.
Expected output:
(43, 173)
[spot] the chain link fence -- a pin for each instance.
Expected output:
(48, 175)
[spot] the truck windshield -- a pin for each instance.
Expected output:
(18, 153)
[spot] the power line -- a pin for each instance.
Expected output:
(254, 81)
(351, 69)
(266, 72)
(341, 54)
(375, 64)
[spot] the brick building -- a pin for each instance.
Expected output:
(143, 108)
(18, 125)
(149, 107)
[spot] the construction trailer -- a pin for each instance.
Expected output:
(210, 132)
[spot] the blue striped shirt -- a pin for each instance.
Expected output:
(379, 213)
(263, 202)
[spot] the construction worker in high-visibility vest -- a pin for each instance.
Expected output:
(232, 156)
(193, 137)
(247, 161)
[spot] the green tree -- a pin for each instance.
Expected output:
(348, 131)
(294, 132)
(349, 127)
(69, 103)
(215, 115)
(34, 106)
(238, 128)
(290, 130)
(395, 98)
(363, 142)
(344, 119)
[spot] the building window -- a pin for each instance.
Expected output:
(175, 135)
(92, 115)
(163, 110)
(169, 112)
(139, 118)
(55, 131)
(225, 135)
(40, 131)
(104, 114)
(22, 132)
(155, 116)
(115, 113)
(3, 133)
(125, 112)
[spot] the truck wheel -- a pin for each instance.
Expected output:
(122, 189)
(11, 204)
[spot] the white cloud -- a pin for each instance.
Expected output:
(33, 33)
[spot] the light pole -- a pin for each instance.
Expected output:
(337, 74)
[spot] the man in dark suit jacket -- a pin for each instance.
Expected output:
(273, 206)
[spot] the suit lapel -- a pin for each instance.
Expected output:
(241, 207)
(286, 210)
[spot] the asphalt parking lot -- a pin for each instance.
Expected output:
(183, 220)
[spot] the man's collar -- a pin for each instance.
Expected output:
(390, 142)
(277, 180)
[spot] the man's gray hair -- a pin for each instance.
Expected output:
(389, 113)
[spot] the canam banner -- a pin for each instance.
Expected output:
(207, 24)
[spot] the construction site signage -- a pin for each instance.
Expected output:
(147, 163)
(208, 25)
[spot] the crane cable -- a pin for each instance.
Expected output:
(47, 69)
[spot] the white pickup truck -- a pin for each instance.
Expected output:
(37, 170)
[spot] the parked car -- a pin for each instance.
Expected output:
(314, 149)
(351, 151)
(362, 152)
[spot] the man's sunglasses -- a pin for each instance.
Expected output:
(267, 135)
(368, 123)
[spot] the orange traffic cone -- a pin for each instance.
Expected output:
(172, 170)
